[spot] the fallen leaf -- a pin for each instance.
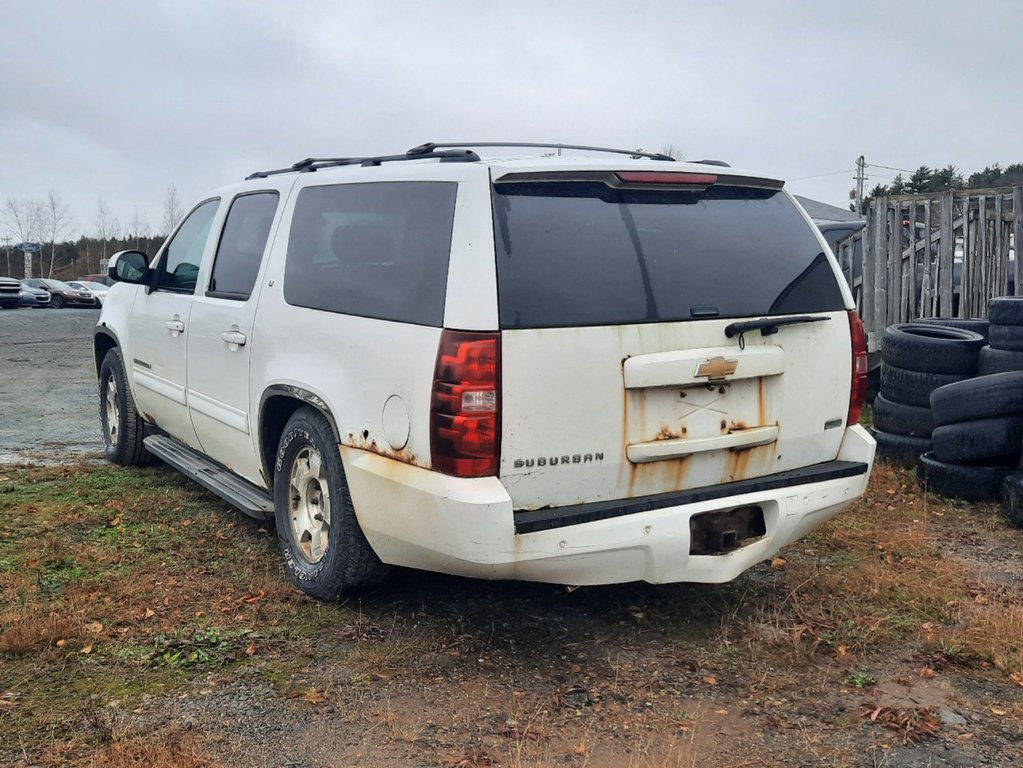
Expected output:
(980, 600)
(720, 711)
(95, 627)
(843, 650)
(778, 562)
(580, 749)
(314, 697)
(997, 711)
(254, 598)
(61, 643)
(250, 651)
(575, 669)
(964, 736)
(87, 649)
(150, 613)
(710, 680)
(186, 523)
(927, 672)
(1017, 678)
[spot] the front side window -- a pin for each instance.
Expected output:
(241, 247)
(374, 250)
(179, 267)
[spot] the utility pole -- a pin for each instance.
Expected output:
(860, 177)
(7, 252)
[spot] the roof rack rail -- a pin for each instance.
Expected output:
(721, 163)
(431, 146)
(311, 164)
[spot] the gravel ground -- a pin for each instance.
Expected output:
(48, 400)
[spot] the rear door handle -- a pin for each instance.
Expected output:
(175, 326)
(234, 337)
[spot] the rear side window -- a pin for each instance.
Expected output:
(584, 253)
(374, 250)
(241, 246)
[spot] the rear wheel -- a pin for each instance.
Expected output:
(325, 551)
(122, 426)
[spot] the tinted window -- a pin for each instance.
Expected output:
(375, 250)
(180, 264)
(584, 253)
(242, 244)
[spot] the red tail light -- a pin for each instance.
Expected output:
(667, 177)
(465, 426)
(858, 389)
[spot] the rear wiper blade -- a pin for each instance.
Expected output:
(768, 325)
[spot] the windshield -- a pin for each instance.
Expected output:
(94, 286)
(584, 253)
(56, 284)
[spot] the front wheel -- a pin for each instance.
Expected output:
(325, 551)
(56, 302)
(122, 426)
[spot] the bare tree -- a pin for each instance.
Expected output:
(24, 217)
(171, 210)
(57, 221)
(672, 151)
(138, 227)
(107, 226)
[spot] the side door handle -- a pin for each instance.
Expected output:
(175, 325)
(234, 337)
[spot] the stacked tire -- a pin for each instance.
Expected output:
(977, 438)
(1005, 339)
(916, 359)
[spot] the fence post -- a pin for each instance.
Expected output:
(946, 255)
(1017, 234)
(867, 284)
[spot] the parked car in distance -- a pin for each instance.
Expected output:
(576, 370)
(99, 290)
(34, 297)
(10, 293)
(103, 279)
(62, 294)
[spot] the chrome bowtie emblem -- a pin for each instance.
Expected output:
(717, 368)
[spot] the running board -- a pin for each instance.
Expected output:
(250, 499)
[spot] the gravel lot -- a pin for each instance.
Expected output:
(49, 410)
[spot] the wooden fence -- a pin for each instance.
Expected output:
(934, 255)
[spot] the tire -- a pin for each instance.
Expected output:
(995, 440)
(899, 385)
(975, 324)
(956, 481)
(899, 449)
(56, 302)
(123, 428)
(999, 394)
(998, 361)
(336, 559)
(1005, 310)
(1007, 337)
(1012, 499)
(898, 419)
(931, 348)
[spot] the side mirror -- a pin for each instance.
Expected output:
(128, 267)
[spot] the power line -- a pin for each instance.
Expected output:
(888, 167)
(820, 175)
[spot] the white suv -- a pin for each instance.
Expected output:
(576, 370)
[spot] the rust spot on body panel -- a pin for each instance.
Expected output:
(405, 456)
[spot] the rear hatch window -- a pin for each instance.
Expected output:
(580, 253)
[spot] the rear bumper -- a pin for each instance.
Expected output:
(422, 519)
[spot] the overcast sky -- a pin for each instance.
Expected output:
(123, 99)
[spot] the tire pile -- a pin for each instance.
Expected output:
(951, 403)
(1005, 352)
(918, 358)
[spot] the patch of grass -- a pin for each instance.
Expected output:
(116, 582)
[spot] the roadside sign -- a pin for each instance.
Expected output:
(29, 247)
